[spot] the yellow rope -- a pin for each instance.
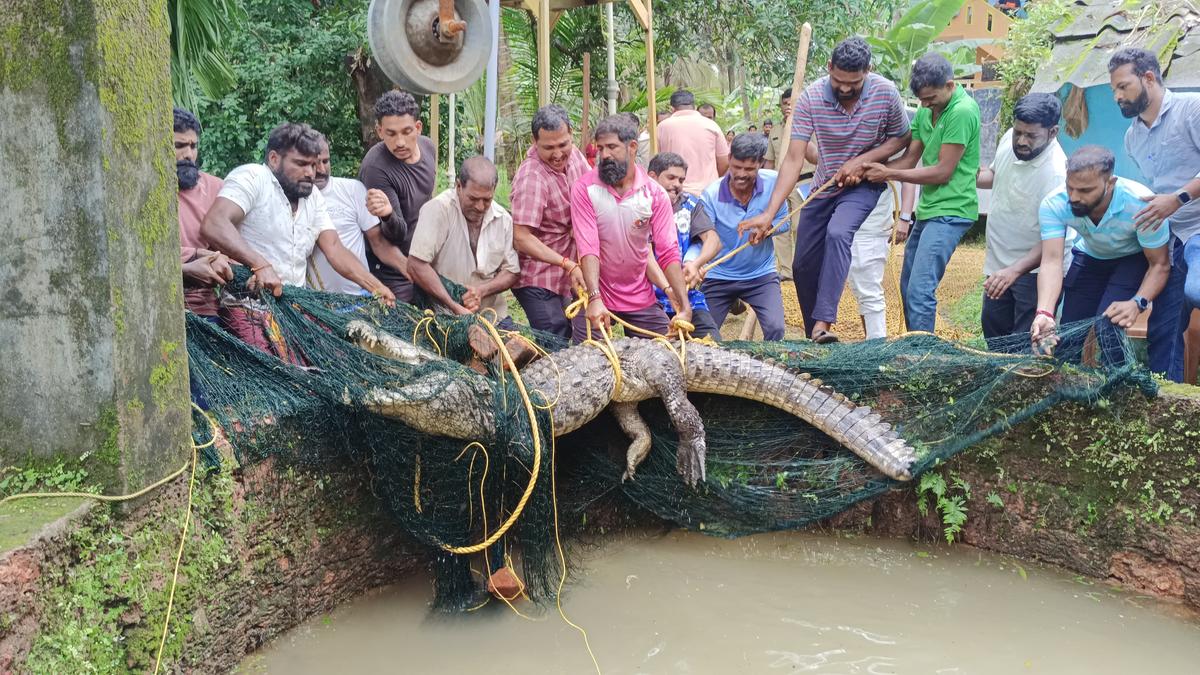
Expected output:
(537, 452)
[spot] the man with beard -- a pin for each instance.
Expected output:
(945, 140)
(400, 172)
(1029, 165)
(268, 217)
(346, 202)
(696, 139)
(466, 237)
(1118, 267)
(616, 211)
(541, 213)
(750, 275)
(1164, 141)
(202, 269)
(698, 243)
(859, 118)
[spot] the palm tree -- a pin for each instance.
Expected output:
(199, 31)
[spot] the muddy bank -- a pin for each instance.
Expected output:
(267, 549)
(1111, 493)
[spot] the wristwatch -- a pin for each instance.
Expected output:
(906, 218)
(1142, 303)
(1184, 197)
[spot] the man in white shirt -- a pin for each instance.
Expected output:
(346, 202)
(268, 217)
(1029, 165)
(463, 235)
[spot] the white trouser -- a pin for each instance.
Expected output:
(868, 257)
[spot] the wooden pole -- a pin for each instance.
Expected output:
(651, 96)
(435, 123)
(797, 84)
(587, 98)
(543, 51)
(450, 167)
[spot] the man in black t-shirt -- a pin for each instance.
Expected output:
(399, 172)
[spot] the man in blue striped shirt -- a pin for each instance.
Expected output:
(857, 117)
(1117, 268)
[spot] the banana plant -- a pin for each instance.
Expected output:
(200, 31)
(911, 37)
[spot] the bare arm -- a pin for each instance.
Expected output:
(722, 165)
(220, 229)
(349, 266)
(422, 274)
(527, 243)
(997, 284)
(1155, 279)
(938, 174)
(387, 252)
(503, 281)
(985, 178)
(852, 172)
(789, 174)
(655, 273)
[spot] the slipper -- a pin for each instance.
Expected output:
(824, 337)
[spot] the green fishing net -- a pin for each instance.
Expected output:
(283, 381)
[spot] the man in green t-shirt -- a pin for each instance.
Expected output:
(945, 138)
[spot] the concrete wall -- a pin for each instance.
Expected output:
(92, 354)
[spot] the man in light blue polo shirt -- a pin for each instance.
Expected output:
(1118, 269)
(749, 276)
(1164, 140)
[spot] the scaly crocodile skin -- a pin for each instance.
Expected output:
(579, 381)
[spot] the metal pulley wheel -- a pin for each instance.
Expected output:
(430, 46)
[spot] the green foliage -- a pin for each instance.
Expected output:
(1027, 48)
(950, 500)
(290, 62)
(910, 37)
(57, 477)
(200, 32)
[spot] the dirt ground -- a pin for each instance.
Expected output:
(958, 301)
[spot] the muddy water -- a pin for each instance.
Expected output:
(787, 603)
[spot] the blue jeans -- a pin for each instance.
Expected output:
(1173, 307)
(928, 251)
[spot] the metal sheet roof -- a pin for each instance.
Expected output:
(1083, 46)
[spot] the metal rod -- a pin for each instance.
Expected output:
(493, 80)
(610, 41)
(651, 95)
(450, 168)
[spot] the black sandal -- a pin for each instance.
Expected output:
(824, 337)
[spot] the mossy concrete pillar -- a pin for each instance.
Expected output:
(92, 355)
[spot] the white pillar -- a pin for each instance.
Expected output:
(451, 167)
(609, 39)
(493, 78)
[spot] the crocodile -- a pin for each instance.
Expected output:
(580, 382)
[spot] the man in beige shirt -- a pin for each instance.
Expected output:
(785, 242)
(695, 138)
(464, 236)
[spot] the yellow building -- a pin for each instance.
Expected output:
(978, 20)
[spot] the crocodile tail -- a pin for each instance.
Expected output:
(858, 428)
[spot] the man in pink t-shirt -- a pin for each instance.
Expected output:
(695, 138)
(617, 211)
(202, 269)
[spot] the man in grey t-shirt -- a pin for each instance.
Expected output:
(399, 172)
(1164, 141)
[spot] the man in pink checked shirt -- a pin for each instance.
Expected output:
(617, 211)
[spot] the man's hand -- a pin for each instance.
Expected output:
(693, 274)
(1122, 313)
(200, 272)
(222, 265)
(576, 275)
(758, 226)
(876, 172)
(383, 294)
(995, 285)
(378, 204)
(850, 174)
(597, 314)
(680, 316)
(1042, 335)
(266, 278)
(902, 229)
(1157, 209)
(472, 300)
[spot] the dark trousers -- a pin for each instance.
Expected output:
(544, 309)
(1173, 302)
(763, 294)
(652, 318)
(1012, 313)
(823, 240)
(1092, 284)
